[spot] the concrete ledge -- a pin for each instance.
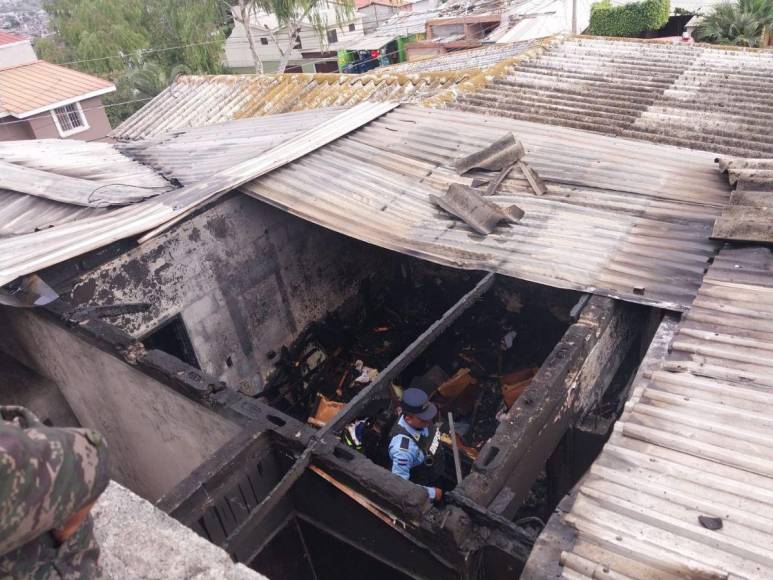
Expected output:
(138, 540)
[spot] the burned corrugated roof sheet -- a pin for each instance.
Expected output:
(620, 218)
(697, 96)
(200, 101)
(684, 487)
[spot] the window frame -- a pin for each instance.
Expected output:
(352, 27)
(75, 130)
(334, 32)
(264, 41)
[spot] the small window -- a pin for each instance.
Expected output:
(332, 37)
(351, 28)
(172, 337)
(297, 45)
(264, 41)
(70, 119)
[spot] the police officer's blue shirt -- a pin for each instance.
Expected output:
(403, 460)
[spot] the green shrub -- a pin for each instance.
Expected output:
(628, 19)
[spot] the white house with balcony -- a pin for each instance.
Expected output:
(309, 53)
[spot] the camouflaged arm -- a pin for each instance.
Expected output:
(46, 475)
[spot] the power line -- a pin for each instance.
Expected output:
(140, 51)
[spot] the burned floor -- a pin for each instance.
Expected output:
(271, 369)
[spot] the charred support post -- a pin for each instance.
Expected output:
(350, 412)
(558, 536)
(570, 383)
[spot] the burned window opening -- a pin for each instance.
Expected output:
(172, 338)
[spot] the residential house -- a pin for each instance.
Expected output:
(376, 12)
(277, 251)
(310, 53)
(40, 100)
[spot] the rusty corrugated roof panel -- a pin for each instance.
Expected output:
(694, 441)
(200, 101)
(702, 97)
(621, 218)
(39, 86)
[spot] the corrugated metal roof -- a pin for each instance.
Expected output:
(622, 218)
(476, 58)
(695, 440)
(97, 163)
(749, 217)
(24, 254)
(40, 85)
(200, 101)
(710, 98)
(371, 42)
(195, 154)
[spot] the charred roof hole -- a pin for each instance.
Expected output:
(475, 370)
(172, 338)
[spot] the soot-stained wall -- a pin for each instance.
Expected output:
(156, 436)
(245, 278)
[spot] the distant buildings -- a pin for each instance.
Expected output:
(309, 53)
(40, 100)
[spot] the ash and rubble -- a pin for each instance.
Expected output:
(475, 371)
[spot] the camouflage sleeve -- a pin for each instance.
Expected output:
(46, 475)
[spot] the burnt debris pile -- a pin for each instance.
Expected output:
(476, 370)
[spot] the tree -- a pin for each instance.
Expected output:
(292, 15)
(743, 23)
(245, 18)
(114, 38)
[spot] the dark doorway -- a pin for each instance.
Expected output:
(172, 338)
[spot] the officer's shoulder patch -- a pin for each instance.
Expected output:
(405, 443)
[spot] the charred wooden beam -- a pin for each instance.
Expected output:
(557, 537)
(572, 380)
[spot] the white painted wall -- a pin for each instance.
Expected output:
(237, 49)
(17, 53)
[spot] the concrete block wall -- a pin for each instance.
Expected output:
(244, 277)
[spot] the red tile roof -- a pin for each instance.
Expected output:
(10, 38)
(40, 86)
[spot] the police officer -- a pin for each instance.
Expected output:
(49, 479)
(414, 443)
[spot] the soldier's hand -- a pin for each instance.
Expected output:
(72, 524)
(438, 495)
